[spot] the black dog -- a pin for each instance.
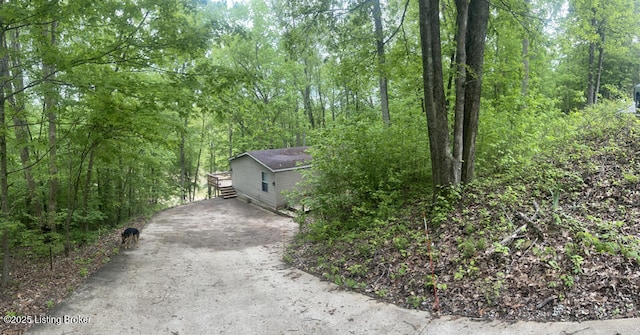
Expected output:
(130, 235)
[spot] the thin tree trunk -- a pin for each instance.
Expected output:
(230, 140)
(306, 95)
(4, 186)
(195, 177)
(212, 155)
(524, 90)
(183, 168)
(599, 68)
(590, 75)
(333, 104)
(384, 98)
(461, 73)
(50, 111)
(591, 68)
(129, 188)
(6, 257)
(525, 66)
(477, 32)
(87, 187)
(71, 204)
(21, 126)
(321, 101)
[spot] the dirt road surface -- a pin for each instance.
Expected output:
(214, 267)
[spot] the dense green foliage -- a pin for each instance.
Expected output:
(96, 102)
(527, 105)
(505, 243)
(361, 172)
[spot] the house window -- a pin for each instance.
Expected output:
(265, 182)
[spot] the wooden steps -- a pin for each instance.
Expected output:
(227, 192)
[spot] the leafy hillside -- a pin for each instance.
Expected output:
(554, 239)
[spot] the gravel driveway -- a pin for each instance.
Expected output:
(214, 267)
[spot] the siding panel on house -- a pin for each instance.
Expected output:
(275, 171)
(285, 181)
(247, 180)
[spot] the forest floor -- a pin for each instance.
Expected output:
(557, 241)
(38, 283)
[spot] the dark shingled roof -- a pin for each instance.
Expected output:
(281, 159)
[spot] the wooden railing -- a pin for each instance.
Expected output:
(216, 181)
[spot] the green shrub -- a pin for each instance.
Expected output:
(363, 171)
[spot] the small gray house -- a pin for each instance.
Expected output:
(263, 175)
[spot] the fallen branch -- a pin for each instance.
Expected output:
(529, 223)
(546, 301)
(507, 240)
(533, 217)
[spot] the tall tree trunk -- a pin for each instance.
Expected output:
(591, 75)
(72, 185)
(4, 186)
(212, 155)
(306, 94)
(599, 67)
(50, 99)
(524, 90)
(86, 188)
(333, 104)
(434, 100)
(230, 140)
(525, 66)
(477, 32)
(202, 135)
(461, 73)
(129, 189)
(73, 190)
(384, 98)
(183, 168)
(21, 126)
(323, 110)
(591, 67)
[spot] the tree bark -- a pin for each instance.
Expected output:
(230, 140)
(197, 171)
(21, 126)
(50, 99)
(461, 59)
(87, 187)
(306, 95)
(477, 32)
(590, 75)
(599, 67)
(4, 186)
(434, 100)
(321, 99)
(384, 98)
(183, 168)
(591, 91)
(525, 67)
(524, 90)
